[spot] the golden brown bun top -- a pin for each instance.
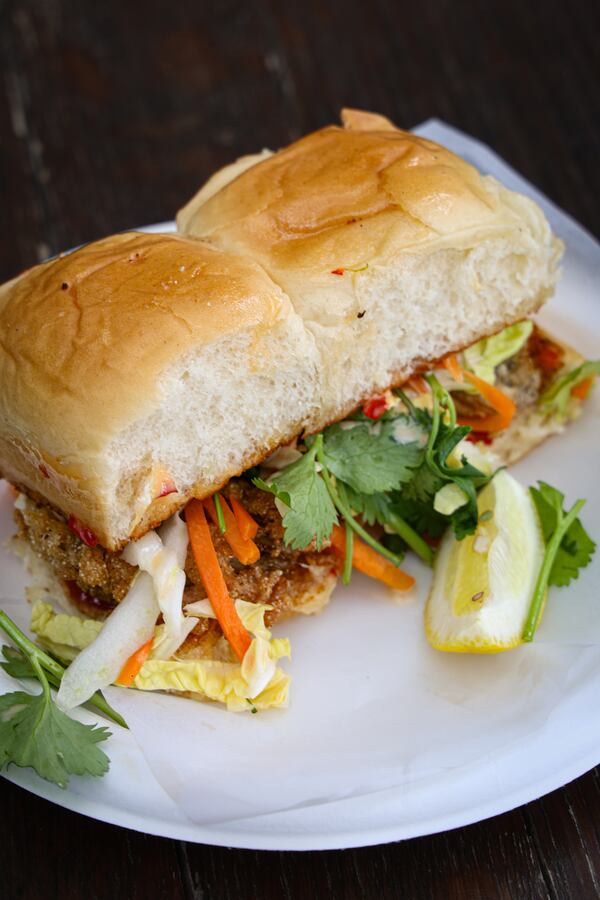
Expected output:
(296, 205)
(85, 337)
(89, 401)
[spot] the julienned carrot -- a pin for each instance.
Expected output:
(451, 363)
(247, 525)
(133, 665)
(245, 550)
(418, 384)
(581, 390)
(504, 406)
(212, 578)
(368, 561)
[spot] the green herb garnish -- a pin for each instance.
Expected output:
(367, 458)
(311, 514)
(219, 512)
(569, 548)
(359, 469)
(34, 731)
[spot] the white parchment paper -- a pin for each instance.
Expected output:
(373, 707)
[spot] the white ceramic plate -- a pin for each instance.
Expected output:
(416, 742)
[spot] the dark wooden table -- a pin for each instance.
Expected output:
(111, 114)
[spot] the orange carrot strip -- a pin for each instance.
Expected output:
(368, 561)
(245, 550)
(418, 384)
(503, 406)
(133, 665)
(451, 363)
(212, 578)
(581, 390)
(247, 525)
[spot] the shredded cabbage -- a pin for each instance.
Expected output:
(483, 458)
(251, 614)
(165, 644)
(449, 498)
(219, 681)
(129, 626)
(257, 682)
(62, 634)
(164, 559)
(174, 535)
(258, 666)
(483, 357)
(556, 399)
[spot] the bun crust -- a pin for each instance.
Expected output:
(391, 248)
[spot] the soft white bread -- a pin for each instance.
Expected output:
(433, 255)
(142, 360)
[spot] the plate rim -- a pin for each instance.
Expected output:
(218, 836)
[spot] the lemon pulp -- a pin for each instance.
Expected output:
(482, 585)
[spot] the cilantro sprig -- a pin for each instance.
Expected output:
(311, 514)
(34, 732)
(367, 458)
(443, 439)
(368, 470)
(345, 510)
(444, 436)
(314, 503)
(569, 548)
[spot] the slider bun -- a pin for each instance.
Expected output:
(434, 255)
(140, 359)
(144, 360)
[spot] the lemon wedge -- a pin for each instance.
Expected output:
(483, 585)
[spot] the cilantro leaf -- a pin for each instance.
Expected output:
(16, 664)
(311, 514)
(568, 548)
(374, 508)
(464, 519)
(549, 505)
(435, 471)
(423, 486)
(556, 398)
(575, 553)
(576, 547)
(422, 517)
(35, 732)
(367, 458)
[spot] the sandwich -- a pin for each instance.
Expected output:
(205, 430)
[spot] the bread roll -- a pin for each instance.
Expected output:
(141, 363)
(142, 370)
(392, 249)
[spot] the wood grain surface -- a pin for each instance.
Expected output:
(112, 114)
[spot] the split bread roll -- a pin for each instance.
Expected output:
(393, 250)
(142, 370)
(143, 363)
